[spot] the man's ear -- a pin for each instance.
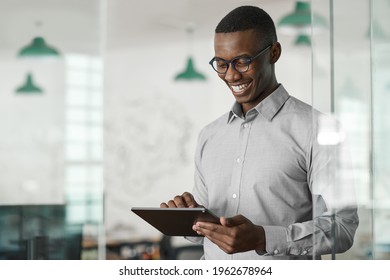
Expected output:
(276, 51)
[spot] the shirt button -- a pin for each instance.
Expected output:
(276, 251)
(238, 160)
(246, 125)
(234, 195)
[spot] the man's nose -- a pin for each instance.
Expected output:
(232, 74)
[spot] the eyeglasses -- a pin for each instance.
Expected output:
(240, 64)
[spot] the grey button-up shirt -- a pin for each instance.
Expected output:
(264, 165)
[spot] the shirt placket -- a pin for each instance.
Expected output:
(239, 163)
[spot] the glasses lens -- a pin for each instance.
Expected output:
(241, 64)
(220, 65)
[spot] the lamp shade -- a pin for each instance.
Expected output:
(38, 48)
(301, 21)
(303, 40)
(190, 73)
(29, 86)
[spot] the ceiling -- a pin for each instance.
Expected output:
(82, 26)
(78, 25)
(71, 24)
(143, 22)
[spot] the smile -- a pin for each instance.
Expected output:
(239, 88)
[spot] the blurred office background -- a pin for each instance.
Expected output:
(107, 118)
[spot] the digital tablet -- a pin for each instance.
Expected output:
(175, 221)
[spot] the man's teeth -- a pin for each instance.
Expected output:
(239, 87)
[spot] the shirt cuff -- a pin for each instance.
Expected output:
(275, 241)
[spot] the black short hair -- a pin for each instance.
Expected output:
(249, 17)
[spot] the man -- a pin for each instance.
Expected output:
(257, 165)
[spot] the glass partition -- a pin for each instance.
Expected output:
(51, 202)
(380, 56)
(351, 84)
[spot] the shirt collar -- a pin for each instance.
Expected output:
(268, 108)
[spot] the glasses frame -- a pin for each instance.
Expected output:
(234, 61)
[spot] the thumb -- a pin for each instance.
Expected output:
(233, 221)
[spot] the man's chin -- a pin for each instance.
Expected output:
(241, 99)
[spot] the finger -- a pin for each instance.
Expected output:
(194, 228)
(164, 205)
(172, 204)
(210, 229)
(179, 201)
(227, 222)
(233, 221)
(189, 200)
(217, 235)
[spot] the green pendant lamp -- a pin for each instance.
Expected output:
(301, 21)
(302, 40)
(190, 73)
(29, 87)
(38, 48)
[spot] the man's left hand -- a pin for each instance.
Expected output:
(234, 234)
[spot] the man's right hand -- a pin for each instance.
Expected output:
(186, 200)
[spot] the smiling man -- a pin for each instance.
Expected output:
(259, 166)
